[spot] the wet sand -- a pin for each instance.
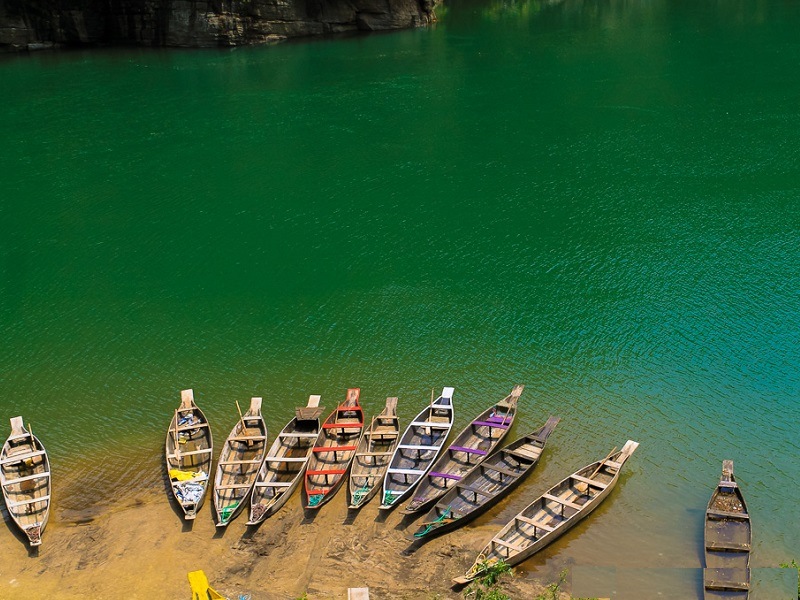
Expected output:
(141, 548)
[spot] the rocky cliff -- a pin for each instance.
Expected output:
(34, 24)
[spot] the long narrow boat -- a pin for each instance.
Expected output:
(471, 446)
(25, 479)
(487, 483)
(283, 468)
(373, 455)
(421, 443)
(188, 450)
(239, 463)
(728, 539)
(334, 450)
(552, 514)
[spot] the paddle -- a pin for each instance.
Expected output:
(600, 466)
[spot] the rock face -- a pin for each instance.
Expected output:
(35, 24)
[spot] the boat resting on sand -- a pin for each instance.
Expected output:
(188, 451)
(282, 470)
(727, 541)
(25, 479)
(421, 443)
(239, 463)
(487, 483)
(471, 447)
(373, 455)
(552, 514)
(334, 451)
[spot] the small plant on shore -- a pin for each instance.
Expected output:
(304, 596)
(485, 586)
(793, 565)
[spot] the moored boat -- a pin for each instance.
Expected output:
(373, 455)
(286, 460)
(727, 540)
(25, 480)
(239, 462)
(419, 446)
(486, 483)
(471, 447)
(552, 514)
(334, 451)
(188, 451)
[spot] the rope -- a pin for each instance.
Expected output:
(388, 496)
(226, 512)
(430, 525)
(359, 494)
(315, 499)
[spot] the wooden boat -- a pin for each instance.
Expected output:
(487, 483)
(283, 468)
(373, 455)
(470, 447)
(728, 540)
(25, 479)
(552, 514)
(334, 451)
(239, 462)
(188, 452)
(421, 443)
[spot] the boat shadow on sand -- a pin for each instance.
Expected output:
(33, 551)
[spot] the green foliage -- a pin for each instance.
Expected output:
(304, 596)
(793, 565)
(485, 585)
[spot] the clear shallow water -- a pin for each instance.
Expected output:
(601, 202)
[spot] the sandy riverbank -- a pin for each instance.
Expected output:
(140, 548)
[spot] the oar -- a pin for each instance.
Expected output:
(177, 440)
(600, 466)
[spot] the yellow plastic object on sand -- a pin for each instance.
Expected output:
(200, 588)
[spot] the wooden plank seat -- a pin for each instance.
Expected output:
(528, 521)
(501, 470)
(445, 475)
(26, 502)
(28, 478)
(417, 447)
(240, 462)
(233, 486)
(467, 450)
(476, 491)
(21, 457)
(298, 435)
(612, 464)
(587, 481)
(192, 427)
(723, 514)
(431, 424)
(375, 454)
(247, 438)
(190, 453)
(726, 546)
(406, 471)
(326, 472)
(326, 449)
(286, 459)
(19, 436)
(342, 425)
(490, 424)
(519, 455)
(561, 501)
(514, 547)
(276, 484)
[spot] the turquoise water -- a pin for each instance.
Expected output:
(598, 201)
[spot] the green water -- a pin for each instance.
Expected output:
(598, 200)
